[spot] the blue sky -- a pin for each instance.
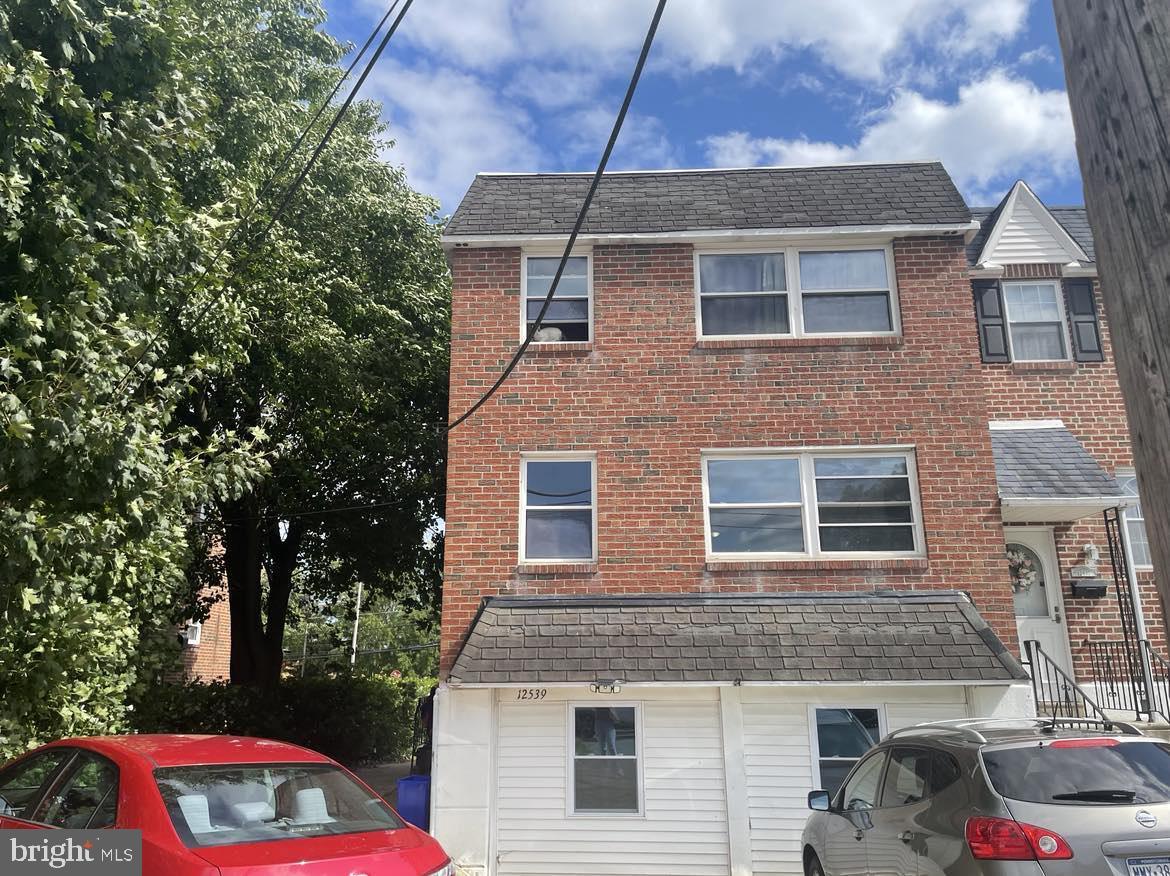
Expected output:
(525, 85)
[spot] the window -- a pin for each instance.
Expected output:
(23, 783)
(845, 292)
(557, 523)
(1110, 773)
(796, 292)
(605, 759)
(843, 736)
(916, 774)
(87, 798)
(860, 792)
(1135, 521)
(1035, 317)
(743, 294)
(811, 503)
(568, 317)
(192, 633)
(233, 804)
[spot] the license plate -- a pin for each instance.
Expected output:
(1148, 866)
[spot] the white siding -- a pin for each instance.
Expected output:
(779, 777)
(1025, 240)
(683, 831)
(779, 757)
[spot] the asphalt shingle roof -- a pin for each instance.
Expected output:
(1074, 219)
(858, 637)
(1047, 464)
(665, 201)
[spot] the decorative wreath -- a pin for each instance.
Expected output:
(1024, 570)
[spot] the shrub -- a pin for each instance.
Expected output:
(353, 719)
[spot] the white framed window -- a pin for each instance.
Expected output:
(605, 763)
(570, 315)
(1135, 521)
(192, 633)
(1037, 329)
(840, 737)
(812, 502)
(558, 520)
(798, 291)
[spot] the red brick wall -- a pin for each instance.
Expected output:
(210, 660)
(1087, 397)
(646, 397)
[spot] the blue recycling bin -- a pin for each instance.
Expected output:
(414, 800)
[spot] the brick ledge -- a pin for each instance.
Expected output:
(556, 569)
(898, 564)
(1032, 367)
(798, 343)
(559, 348)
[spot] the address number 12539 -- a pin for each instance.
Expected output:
(531, 693)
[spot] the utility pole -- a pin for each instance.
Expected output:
(357, 616)
(1117, 65)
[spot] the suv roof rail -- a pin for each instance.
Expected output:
(969, 727)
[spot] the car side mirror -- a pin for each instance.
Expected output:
(818, 800)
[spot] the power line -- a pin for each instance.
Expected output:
(617, 127)
(292, 189)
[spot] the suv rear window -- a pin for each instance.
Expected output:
(1082, 773)
(226, 805)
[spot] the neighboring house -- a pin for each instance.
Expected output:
(1062, 446)
(206, 645)
(739, 511)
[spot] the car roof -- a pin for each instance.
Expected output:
(973, 734)
(171, 750)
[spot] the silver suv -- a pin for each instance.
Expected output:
(1013, 797)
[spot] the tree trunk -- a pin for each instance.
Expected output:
(1117, 63)
(253, 547)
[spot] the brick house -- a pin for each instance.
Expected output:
(742, 507)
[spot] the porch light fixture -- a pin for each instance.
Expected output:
(606, 686)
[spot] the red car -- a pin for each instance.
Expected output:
(218, 806)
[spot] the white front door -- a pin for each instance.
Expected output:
(1035, 582)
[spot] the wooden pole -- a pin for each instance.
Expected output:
(1117, 65)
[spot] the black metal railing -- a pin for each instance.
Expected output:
(1057, 695)
(1159, 687)
(1115, 670)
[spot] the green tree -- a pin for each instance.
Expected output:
(99, 246)
(347, 302)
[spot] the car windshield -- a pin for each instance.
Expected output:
(226, 805)
(1082, 772)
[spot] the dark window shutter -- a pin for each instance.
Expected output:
(992, 324)
(1082, 314)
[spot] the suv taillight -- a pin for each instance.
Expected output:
(1002, 839)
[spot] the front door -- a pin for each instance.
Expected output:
(1035, 580)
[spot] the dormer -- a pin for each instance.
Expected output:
(1021, 230)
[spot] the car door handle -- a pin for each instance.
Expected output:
(906, 836)
(859, 835)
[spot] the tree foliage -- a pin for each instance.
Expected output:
(97, 478)
(133, 136)
(348, 307)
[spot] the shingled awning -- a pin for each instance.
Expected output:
(1046, 475)
(677, 201)
(849, 637)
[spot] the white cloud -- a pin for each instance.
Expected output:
(999, 128)
(859, 38)
(643, 142)
(448, 126)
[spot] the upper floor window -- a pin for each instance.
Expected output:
(796, 292)
(812, 503)
(557, 519)
(1036, 325)
(1037, 320)
(569, 316)
(1135, 521)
